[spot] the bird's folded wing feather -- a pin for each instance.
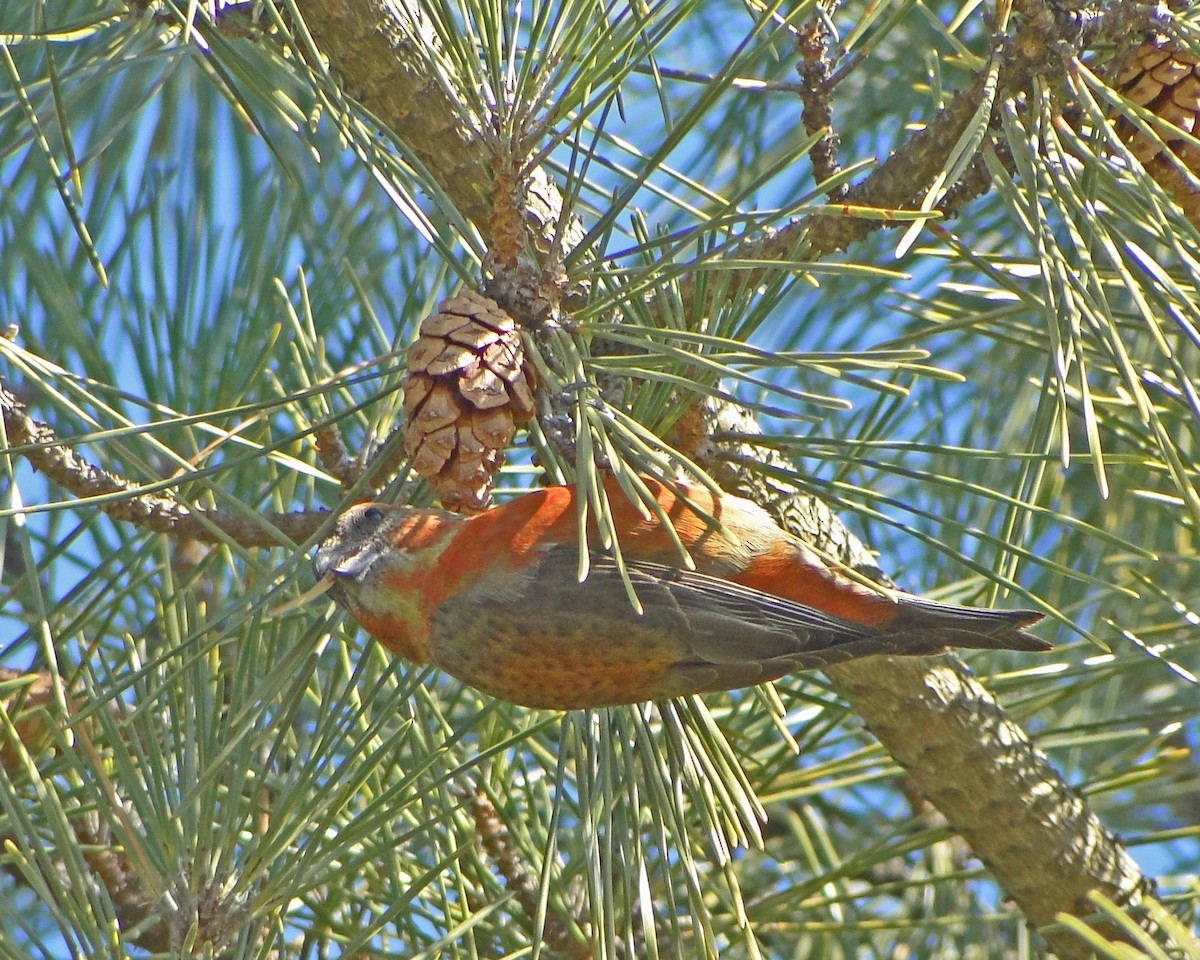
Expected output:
(716, 621)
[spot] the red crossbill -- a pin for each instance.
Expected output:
(495, 600)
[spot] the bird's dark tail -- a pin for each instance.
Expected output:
(947, 625)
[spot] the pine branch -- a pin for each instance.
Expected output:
(124, 500)
(31, 708)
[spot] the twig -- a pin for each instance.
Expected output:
(371, 468)
(332, 454)
(494, 836)
(384, 461)
(815, 68)
(122, 499)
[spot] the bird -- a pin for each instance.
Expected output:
(495, 599)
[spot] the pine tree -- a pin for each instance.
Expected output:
(920, 279)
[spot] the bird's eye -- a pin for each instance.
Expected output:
(373, 515)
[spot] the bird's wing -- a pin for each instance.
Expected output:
(720, 635)
(729, 623)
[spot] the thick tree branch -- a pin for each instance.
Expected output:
(382, 52)
(1035, 834)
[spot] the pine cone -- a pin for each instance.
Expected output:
(466, 390)
(1166, 81)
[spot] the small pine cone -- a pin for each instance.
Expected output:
(467, 388)
(1166, 81)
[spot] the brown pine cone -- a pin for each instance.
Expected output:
(1166, 81)
(466, 390)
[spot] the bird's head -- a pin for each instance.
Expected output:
(361, 536)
